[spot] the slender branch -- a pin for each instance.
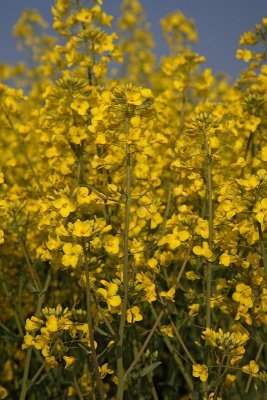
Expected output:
(182, 343)
(177, 359)
(219, 378)
(32, 271)
(78, 390)
(137, 358)
(120, 366)
(141, 351)
(210, 222)
(256, 359)
(111, 330)
(90, 328)
(41, 296)
(263, 250)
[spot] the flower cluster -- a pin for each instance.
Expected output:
(133, 208)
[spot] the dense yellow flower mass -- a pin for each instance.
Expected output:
(133, 209)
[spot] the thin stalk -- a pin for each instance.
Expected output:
(16, 316)
(90, 329)
(262, 249)
(157, 322)
(32, 271)
(111, 330)
(141, 351)
(219, 378)
(78, 390)
(41, 295)
(210, 222)
(177, 359)
(180, 340)
(120, 366)
(256, 359)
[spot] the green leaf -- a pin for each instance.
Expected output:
(150, 368)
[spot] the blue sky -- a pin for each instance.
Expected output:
(219, 23)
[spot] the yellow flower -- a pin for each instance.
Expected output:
(200, 371)
(252, 368)
(134, 314)
(264, 153)
(202, 228)
(248, 38)
(193, 309)
(167, 329)
(64, 205)
(85, 15)
(69, 360)
(72, 253)
(51, 362)
(245, 55)
(28, 341)
(192, 275)
(243, 295)
(104, 370)
(109, 294)
(152, 263)
(52, 323)
(80, 106)
(77, 134)
(226, 259)
(83, 228)
(137, 96)
(203, 251)
(33, 323)
(169, 296)
(260, 210)
(112, 244)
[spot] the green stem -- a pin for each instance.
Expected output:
(90, 328)
(157, 322)
(177, 359)
(182, 343)
(141, 351)
(262, 249)
(219, 378)
(120, 366)
(256, 359)
(41, 296)
(210, 222)
(78, 390)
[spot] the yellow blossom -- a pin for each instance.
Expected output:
(193, 309)
(64, 205)
(167, 329)
(80, 106)
(200, 371)
(243, 294)
(252, 368)
(104, 370)
(192, 275)
(134, 314)
(69, 360)
(203, 251)
(111, 244)
(71, 255)
(82, 228)
(169, 295)
(110, 294)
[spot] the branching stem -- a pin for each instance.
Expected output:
(120, 366)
